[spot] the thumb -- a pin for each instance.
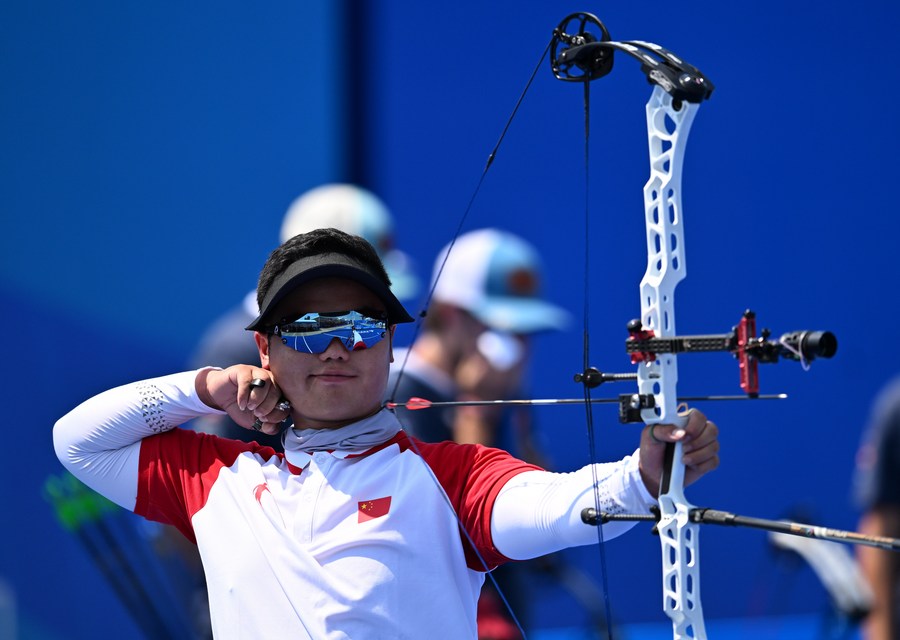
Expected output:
(662, 434)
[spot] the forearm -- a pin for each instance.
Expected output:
(99, 441)
(539, 512)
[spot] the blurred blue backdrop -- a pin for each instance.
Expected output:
(148, 153)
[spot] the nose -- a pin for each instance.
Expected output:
(336, 350)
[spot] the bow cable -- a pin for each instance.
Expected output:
(459, 227)
(423, 313)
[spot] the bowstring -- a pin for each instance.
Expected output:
(459, 227)
(424, 312)
(589, 407)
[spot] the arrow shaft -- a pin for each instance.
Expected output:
(552, 401)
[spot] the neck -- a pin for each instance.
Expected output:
(312, 423)
(357, 437)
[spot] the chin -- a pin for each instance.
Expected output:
(333, 413)
(327, 420)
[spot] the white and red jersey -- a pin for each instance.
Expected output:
(380, 544)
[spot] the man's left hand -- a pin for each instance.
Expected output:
(700, 449)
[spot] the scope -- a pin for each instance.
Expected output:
(808, 345)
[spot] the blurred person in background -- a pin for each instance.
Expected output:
(475, 345)
(475, 342)
(878, 492)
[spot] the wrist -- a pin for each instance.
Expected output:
(202, 386)
(651, 484)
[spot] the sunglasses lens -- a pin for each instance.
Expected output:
(307, 343)
(314, 332)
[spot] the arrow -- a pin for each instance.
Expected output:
(416, 404)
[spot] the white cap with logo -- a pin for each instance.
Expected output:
(353, 210)
(495, 275)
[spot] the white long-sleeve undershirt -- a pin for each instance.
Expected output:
(99, 441)
(539, 512)
(536, 512)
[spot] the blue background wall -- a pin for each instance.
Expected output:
(147, 155)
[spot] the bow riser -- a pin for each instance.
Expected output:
(668, 126)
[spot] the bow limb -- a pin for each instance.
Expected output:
(668, 125)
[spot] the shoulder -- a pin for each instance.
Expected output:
(194, 451)
(466, 467)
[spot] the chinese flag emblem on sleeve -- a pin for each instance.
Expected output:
(371, 509)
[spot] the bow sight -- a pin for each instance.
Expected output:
(742, 342)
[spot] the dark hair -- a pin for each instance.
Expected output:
(313, 243)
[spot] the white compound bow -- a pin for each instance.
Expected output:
(582, 51)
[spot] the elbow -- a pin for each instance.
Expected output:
(68, 445)
(61, 442)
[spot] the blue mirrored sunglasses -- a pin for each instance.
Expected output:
(313, 332)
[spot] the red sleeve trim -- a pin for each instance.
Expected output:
(472, 477)
(178, 468)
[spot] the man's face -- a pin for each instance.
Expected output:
(335, 387)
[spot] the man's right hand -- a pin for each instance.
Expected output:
(248, 394)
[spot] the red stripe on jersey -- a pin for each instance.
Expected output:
(472, 475)
(177, 470)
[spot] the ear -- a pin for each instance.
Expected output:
(262, 343)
